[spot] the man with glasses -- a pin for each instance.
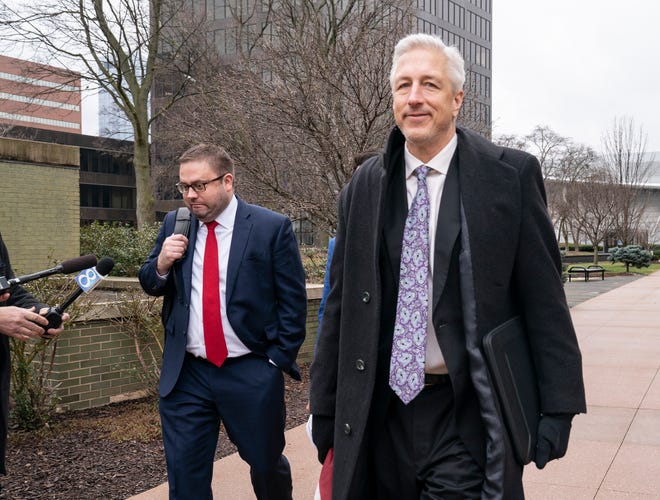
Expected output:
(234, 315)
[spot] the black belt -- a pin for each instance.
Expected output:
(436, 379)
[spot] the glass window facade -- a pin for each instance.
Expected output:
(466, 24)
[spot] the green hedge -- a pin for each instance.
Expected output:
(128, 246)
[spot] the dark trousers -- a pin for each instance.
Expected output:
(417, 452)
(246, 394)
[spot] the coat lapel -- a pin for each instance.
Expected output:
(396, 211)
(447, 230)
(185, 278)
(486, 199)
(239, 241)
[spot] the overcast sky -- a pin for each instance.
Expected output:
(574, 65)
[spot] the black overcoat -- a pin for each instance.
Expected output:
(21, 298)
(495, 256)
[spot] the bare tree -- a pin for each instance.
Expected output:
(306, 91)
(575, 165)
(548, 147)
(624, 151)
(117, 47)
(563, 163)
(511, 141)
(593, 206)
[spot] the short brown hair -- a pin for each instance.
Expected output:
(216, 156)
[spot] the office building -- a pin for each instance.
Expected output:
(466, 24)
(234, 27)
(106, 177)
(38, 95)
(112, 120)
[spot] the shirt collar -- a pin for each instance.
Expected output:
(439, 163)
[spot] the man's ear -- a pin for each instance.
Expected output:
(228, 181)
(458, 102)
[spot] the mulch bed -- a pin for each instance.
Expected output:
(112, 452)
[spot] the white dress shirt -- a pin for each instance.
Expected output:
(435, 181)
(223, 233)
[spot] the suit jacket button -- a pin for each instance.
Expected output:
(359, 364)
(366, 297)
(347, 429)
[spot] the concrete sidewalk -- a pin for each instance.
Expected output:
(614, 452)
(615, 448)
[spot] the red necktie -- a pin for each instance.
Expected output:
(214, 337)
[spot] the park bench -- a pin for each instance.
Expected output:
(586, 271)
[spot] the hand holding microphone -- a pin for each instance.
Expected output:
(87, 280)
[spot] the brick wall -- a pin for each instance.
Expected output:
(306, 352)
(40, 214)
(95, 361)
(95, 364)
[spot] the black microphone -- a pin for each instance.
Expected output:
(66, 267)
(87, 281)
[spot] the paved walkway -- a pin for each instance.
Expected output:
(614, 452)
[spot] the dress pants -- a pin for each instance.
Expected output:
(246, 394)
(417, 452)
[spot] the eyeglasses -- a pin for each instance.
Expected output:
(198, 187)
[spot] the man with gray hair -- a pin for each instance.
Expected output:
(441, 238)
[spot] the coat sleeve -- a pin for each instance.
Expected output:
(19, 297)
(290, 298)
(537, 276)
(324, 368)
(151, 283)
(326, 281)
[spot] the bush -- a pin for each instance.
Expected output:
(631, 255)
(313, 260)
(656, 252)
(590, 248)
(128, 246)
(32, 391)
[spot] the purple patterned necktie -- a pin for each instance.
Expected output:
(409, 341)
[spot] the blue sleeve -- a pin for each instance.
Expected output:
(151, 283)
(326, 285)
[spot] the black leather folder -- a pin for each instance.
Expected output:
(512, 370)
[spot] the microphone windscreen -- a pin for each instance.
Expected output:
(105, 265)
(78, 264)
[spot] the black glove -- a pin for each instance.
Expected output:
(552, 441)
(323, 433)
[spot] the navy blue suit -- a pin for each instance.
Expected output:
(266, 306)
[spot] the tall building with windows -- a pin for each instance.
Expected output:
(466, 24)
(38, 95)
(240, 29)
(113, 123)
